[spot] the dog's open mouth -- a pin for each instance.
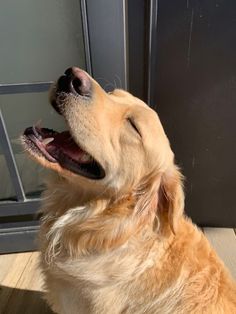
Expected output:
(61, 148)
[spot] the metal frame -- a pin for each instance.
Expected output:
(152, 58)
(18, 239)
(86, 36)
(11, 208)
(6, 89)
(125, 43)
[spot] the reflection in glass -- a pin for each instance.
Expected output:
(21, 111)
(39, 39)
(6, 187)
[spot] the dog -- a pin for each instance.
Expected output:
(114, 237)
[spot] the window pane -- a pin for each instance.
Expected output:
(39, 39)
(21, 111)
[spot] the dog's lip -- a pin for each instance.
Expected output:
(61, 148)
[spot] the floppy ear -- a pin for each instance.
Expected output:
(161, 197)
(171, 197)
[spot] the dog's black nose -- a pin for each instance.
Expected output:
(75, 81)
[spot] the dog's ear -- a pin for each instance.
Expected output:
(162, 197)
(170, 202)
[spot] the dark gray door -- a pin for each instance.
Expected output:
(193, 88)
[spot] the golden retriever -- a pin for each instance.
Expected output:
(114, 238)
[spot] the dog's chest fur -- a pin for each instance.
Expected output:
(138, 272)
(114, 281)
(117, 282)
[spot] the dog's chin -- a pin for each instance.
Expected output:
(59, 151)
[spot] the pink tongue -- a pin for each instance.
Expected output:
(67, 145)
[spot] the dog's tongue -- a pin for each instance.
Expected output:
(64, 142)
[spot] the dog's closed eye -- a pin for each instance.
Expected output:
(133, 124)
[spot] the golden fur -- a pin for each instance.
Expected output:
(122, 244)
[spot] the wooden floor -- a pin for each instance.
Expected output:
(21, 282)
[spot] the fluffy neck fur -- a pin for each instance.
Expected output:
(115, 258)
(79, 224)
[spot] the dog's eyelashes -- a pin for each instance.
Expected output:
(134, 126)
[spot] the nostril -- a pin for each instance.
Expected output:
(77, 84)
(69, 72)
(63, 84)
(81, 85)
(75, 81)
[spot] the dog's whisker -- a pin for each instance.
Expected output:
(38, 123)
(119, 79)
(108, 83)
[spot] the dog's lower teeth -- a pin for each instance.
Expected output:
(48, 140)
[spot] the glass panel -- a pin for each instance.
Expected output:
(6, 187)
(21, 111)
(39, 39)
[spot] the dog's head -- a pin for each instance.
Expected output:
(115, 143)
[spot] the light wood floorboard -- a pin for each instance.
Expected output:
(21, 285)
(224, 242)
